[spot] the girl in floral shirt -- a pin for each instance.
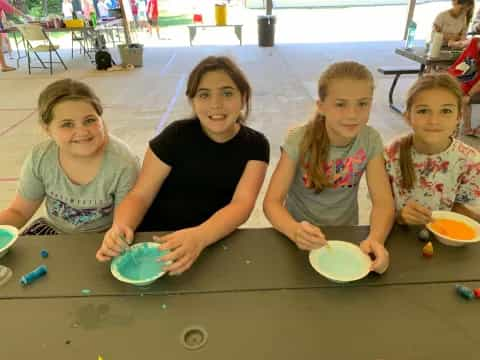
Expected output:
(429, 169)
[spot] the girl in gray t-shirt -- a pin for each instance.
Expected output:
(81, 172)
(317, 177)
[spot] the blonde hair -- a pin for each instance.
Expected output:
(426, 82)
(65, 90)
(315, 143)
(228, 66)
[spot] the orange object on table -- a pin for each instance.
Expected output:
(453, 229)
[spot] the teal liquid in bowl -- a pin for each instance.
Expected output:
(5, 238)
(341, 262)
(140, 263)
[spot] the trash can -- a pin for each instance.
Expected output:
(131, 54)
(220, 14)
(266, 30)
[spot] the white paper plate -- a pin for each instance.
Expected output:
(341, 261)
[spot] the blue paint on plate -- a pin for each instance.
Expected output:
(140, 262)
(5, 237)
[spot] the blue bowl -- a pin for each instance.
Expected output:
(8, 236)
(139, 265)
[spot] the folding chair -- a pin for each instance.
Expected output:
(36, 40)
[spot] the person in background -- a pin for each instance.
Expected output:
(67, 9)
(454, 23)
(102, 8)
(152, 15)
(7, 9)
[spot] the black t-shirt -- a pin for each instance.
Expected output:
(204, 174)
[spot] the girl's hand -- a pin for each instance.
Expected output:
(415, 214)
(382, 258)
(184, 245)
(308, 236)
(115, 241)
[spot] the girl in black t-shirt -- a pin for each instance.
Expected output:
(201, 176)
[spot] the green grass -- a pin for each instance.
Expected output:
(174, 20)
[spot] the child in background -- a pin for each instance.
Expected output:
(453, 23)
(201, 176)
(429, 169)
(81, 172)
(152, 15)
(317, 177)
(6, 8)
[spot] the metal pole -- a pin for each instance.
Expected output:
(411, 9)
(126, 25)
(269, 7)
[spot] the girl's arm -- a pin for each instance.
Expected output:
(382, 215)
(273, 204)
(133, 208)
(186, 245)
(19, 212)
(305, 235)
(467, 211)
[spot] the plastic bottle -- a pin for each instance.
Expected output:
(93, 18)
(412, 27)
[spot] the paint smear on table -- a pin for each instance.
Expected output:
(5, 237)
(141, 263)
(453, 229)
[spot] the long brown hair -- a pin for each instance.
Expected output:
(426, 82)
(225, 64)
(65, 90)
(470, 4)
(315, 144)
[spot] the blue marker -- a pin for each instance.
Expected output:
(34, 275)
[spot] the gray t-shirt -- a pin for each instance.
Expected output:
(337, 205)
(79, 208)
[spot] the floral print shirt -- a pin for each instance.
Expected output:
(452, 176)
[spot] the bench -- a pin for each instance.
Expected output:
(397, 71)
(192, 30)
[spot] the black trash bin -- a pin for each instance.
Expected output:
(266, 30)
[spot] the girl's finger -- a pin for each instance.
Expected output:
(173, 255)
(101, 256)
(108, 252)
(161, 239)
(170, 245)
(179, 266)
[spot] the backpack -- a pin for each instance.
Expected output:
(103, 59)
(466, 68)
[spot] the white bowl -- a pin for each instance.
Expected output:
(8, 236)
(458, 217)
(340, 261)
(138, 265)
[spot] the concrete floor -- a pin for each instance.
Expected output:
(141, 102)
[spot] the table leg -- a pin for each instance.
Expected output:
(390, 96)
(238, 32)
(192, 31)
